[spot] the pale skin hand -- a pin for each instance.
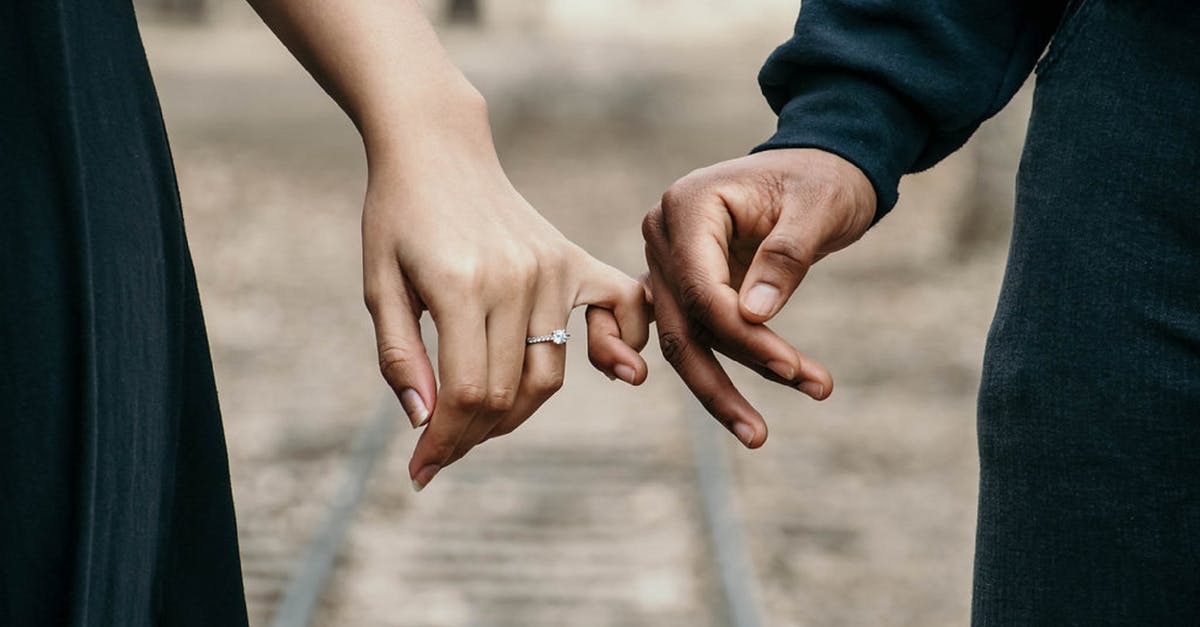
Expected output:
(727, 247)
(444, 230)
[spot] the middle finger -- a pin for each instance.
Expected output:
(545, 365)
(699, 368)
(462, 369)
(506, 359)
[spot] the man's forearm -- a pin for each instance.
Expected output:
(896, 86)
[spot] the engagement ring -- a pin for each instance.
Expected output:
(558, 336)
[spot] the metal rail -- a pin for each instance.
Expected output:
(714, 476)
(740, 599)
(312, 572)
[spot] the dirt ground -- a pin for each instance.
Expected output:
(858, 511)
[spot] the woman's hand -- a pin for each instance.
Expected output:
(444, 230)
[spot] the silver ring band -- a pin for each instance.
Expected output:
(558, 336)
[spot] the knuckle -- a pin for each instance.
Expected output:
(514, 268)
(674, 196)
(548, 383)
(500, 399)
(696, 185)
(528, 267)
(548, 263)
(673, 345)
(679, 197)
(462, 274)
(467, 396)
(786, 252)
(395, 362)
(696, 300)
(652, 224)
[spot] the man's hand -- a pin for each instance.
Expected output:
(726, 247)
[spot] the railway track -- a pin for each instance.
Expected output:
(553, 531)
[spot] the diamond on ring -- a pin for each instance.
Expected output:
(558, 336)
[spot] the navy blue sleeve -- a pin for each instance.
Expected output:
(894, 86)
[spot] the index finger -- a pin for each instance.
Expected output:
(694, 245)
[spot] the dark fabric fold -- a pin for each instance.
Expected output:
(896, 86)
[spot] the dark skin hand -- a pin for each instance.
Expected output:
(726, 247)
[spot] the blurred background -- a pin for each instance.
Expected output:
(602, 510)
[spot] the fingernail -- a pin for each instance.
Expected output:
(625, 373)
(418, 414)
(424, 476)
(761, 299)
(813, 389)
(744, 432)
(785, 371)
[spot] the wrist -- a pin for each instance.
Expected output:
(843, 188)
(857, 193)
(445, 120)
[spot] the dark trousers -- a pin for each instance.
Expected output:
(1089, 410)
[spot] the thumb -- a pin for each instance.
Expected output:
(782, 260)
(403, 361)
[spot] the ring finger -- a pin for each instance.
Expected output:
(545, 367)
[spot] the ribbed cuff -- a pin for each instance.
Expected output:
(857, 119)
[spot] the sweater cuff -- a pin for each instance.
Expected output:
(859, 120)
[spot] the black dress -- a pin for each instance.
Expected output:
(115, 504)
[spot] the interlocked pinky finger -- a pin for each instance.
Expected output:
(608, 352)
